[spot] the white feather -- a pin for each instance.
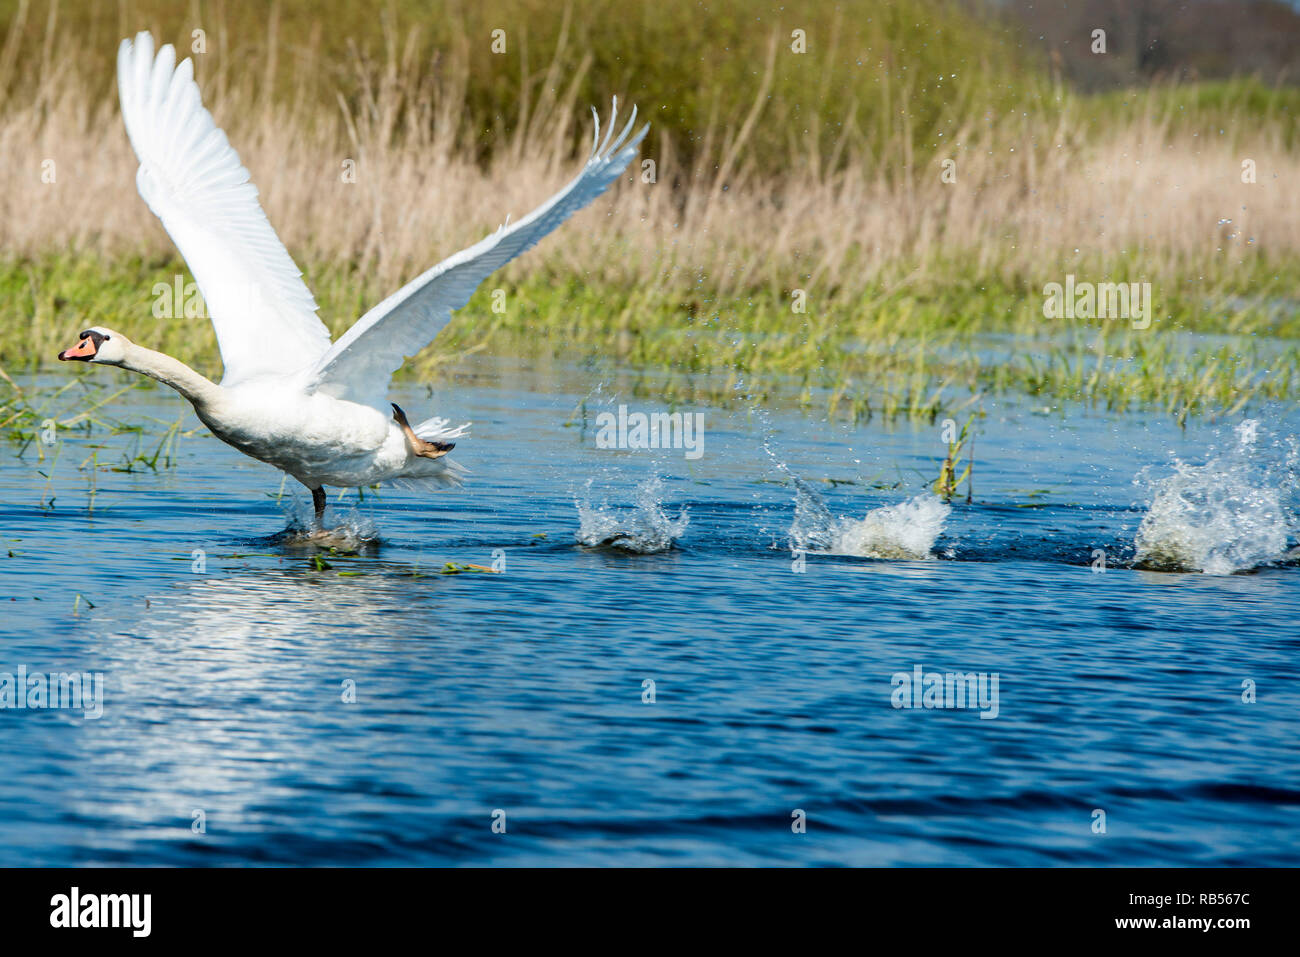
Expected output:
(263, 313)
(361, 364)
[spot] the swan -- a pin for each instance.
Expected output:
(288, 396)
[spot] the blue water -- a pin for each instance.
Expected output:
(522, 692)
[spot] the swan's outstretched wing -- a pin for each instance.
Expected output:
(362, 362)
(264, 315)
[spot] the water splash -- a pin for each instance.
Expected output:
(901, 532)
(353, 532)
(1234, 513)
(905, 531)
(644, 528)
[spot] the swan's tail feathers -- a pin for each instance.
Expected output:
(437, 430)
(449, 474)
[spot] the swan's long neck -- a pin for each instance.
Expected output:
(158, 365)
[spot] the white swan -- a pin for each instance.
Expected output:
(289, 396)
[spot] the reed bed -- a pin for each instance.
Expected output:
(846, 272)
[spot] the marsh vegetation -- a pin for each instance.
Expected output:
(865, 227)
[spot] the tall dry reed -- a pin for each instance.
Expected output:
(1037, 191)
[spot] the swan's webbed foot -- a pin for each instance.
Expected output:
(428, 450)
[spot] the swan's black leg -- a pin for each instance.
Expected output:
(318, 500)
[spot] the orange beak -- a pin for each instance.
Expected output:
(83, 350)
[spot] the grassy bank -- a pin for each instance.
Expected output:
(913, 349)
(859, 238)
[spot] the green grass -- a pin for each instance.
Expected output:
(886, 88)
(917, 350)
(874, 72)
(1215, 107)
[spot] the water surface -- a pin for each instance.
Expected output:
(227, 653)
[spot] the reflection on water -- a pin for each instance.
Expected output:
(271, 703)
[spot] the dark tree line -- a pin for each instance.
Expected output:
(1162, 39)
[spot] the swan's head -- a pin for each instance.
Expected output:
(100, 345)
